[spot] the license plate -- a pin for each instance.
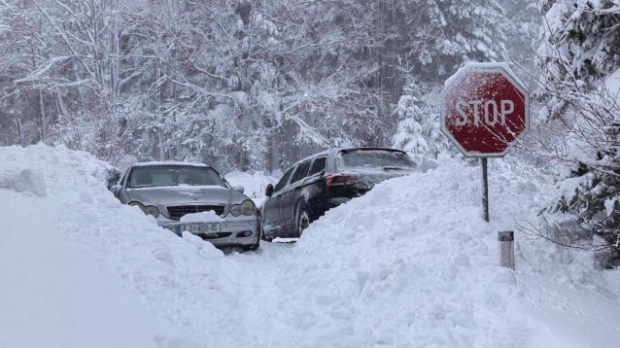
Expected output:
(209, 227)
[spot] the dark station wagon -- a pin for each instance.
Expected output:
(323, 181)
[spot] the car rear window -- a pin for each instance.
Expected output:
(377, 159)
(163, 176)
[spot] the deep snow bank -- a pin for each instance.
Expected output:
(78, 269)
(411, 264)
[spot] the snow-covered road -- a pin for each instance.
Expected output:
(411, 264)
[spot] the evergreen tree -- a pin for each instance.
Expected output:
(579, 54)
(522, 28)
(581, 46)
(409, 134)
(461, 31)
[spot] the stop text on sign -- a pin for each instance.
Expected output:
(490, 112)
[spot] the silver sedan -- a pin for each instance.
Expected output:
(193, 198)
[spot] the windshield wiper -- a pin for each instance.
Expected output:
(394, 168)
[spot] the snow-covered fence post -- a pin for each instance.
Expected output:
(506, 249)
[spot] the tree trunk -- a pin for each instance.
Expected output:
(43, 117)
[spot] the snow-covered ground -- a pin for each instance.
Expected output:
(411, 264)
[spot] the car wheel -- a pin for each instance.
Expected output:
(303, 221)
(261, 236)
(261, 227)
(253, 247)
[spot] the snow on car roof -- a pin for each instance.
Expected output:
(168, 163)
(330, 151)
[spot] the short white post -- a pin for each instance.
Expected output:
(506, 249)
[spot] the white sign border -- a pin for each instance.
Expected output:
(505, 70)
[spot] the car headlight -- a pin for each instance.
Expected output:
(235, 210)
(246, 207)
(146, 209)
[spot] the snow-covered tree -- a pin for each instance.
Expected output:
(409, 134)
(246, 84)
(418, 131)
(579, 88)
(522, 28)
(581, 46)
(470, 30)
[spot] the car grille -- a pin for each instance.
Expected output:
(178, 211)
(215, 235)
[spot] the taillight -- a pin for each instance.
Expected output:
(340, 180)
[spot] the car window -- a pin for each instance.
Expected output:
(317, 166)
(377, 159)
(124, 179)
(174, 175)
(301, 172)
(284, 180)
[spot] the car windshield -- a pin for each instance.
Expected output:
(174, 175)
(386, 160)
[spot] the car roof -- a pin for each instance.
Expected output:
(350, 149)
(168, 163)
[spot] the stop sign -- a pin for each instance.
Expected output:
(485, 109)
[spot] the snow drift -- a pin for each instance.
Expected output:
(77, 269)
(411, 264)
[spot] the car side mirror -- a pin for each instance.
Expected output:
(113, 177)
(239, 188)
(116, 189)
(269, 190)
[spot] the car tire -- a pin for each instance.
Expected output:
(261, 236)
(253, 247)
(302, 221)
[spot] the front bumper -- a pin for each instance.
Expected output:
(233, 232)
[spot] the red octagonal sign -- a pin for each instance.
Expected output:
(485, 109)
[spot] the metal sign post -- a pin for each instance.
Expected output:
(485, 110)
(485, 190)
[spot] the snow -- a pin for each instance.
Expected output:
(410, 264)
(56, 296)
(36, 75)
(170, 163)
(77, 269)
(486, 66)
(53, 293)
(25, 181)
(206, 216)
(181, 189)
(612, 83)
(254, 184)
